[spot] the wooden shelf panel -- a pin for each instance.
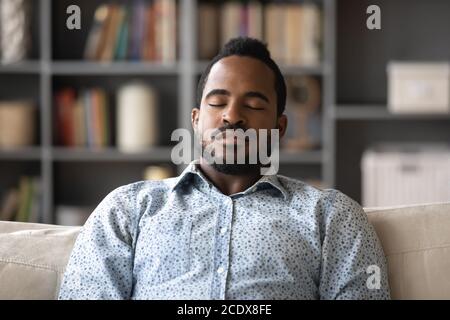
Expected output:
(108, 68)
(380, 112)
(110, 154)
(31, 66)
(28, 153)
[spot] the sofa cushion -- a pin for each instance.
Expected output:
(416, 241)
(33, 258)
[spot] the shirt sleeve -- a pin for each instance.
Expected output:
(101, 262)
(353, 262)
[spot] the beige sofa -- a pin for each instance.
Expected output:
(416, 240)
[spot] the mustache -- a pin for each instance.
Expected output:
(221, 130)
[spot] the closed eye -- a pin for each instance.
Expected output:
(254, 108)
(216, 105)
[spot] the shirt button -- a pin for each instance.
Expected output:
(220, 270)
(223, 230)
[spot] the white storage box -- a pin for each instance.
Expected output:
(415, 87)
(402, 175)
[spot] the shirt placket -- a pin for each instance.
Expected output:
(222, 246)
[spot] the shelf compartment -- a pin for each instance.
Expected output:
(87, 183)
(164, 86)
(353, 137)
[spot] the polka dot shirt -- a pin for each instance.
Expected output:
(181, 238)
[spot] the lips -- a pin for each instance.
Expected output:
(230, 137)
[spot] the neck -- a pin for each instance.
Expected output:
(229, 184)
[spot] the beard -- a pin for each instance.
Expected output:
(234, 168)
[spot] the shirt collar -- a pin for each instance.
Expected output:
(192, 170)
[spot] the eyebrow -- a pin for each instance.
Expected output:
(249, 94)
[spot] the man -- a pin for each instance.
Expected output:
(224, 231)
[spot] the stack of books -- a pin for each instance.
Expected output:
(293, 31)
(144, 31)
(83, 120)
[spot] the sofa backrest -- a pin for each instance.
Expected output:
(33, 258)
(416, 241)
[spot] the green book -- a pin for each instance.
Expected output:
(122, 41)
(24, 199)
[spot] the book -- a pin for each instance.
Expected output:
(79, 123)
(255, 20)
(274, 31)
(208, 30)
(35, 215)
(95, 33)
(150, 36)
(65, 99)
(86, 96)
(25, 191)
(144, 30)
(168, 30)
(10, 205)
(124, 32)
(294, 34)
(135, 39)
(107, 52)
(311, 35)
(230, 21)
(105, 26)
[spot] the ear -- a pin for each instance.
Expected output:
(195, 113)
(282, 124)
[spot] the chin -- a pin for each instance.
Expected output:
(236, 169)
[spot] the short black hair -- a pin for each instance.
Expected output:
(250, 47)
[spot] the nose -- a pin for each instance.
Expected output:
(232, 115)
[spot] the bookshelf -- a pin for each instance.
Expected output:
(354, 113)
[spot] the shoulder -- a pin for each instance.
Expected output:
(139, 191)
(129, 201)
(296, 187)
(340, 207)
(328, 203)
(307, 194)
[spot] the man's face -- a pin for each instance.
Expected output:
(239, 93)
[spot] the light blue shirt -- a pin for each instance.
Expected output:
(181, 238)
